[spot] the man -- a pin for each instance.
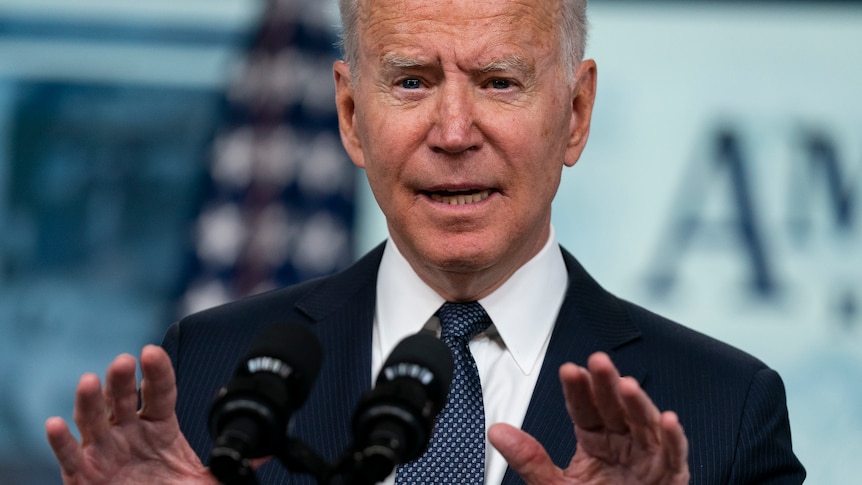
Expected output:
(463, 114)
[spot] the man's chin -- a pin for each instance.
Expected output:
(469, 261)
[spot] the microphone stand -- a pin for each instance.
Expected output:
(366, 465)
(298, 457)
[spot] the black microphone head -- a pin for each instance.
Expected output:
(288, 351)
(393, 421)
(425, 358)
(250, 415)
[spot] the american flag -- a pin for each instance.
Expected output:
(278, 207)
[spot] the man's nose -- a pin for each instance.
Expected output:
(454, 128)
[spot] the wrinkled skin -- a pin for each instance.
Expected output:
(464, 98)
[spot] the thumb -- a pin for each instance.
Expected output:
(524, 454)
(259, 462)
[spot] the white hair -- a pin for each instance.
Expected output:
(573, 33)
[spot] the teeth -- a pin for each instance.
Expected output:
(461, 199)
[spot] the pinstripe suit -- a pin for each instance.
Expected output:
(731, 405)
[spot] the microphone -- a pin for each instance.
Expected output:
(251, 414)
(393, 422)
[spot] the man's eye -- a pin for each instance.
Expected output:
(501, 83)
(411, 83)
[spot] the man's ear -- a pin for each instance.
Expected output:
(583, 99)
(346, 106)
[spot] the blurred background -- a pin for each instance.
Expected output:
(161, 157)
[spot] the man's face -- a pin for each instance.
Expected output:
(463, 119)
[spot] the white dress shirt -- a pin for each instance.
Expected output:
(508, 355)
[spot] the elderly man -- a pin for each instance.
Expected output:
(463, 114)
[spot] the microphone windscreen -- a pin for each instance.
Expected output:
(428, 352)
(251, 413)
(289, 343)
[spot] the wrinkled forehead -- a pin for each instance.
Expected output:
(467, 13)
(458, 24)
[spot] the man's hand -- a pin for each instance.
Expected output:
(119, 443)
(622, 437)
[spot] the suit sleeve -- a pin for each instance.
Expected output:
(171, 343)
(764, 454)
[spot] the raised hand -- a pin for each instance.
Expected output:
(622, 437)
(119, 443)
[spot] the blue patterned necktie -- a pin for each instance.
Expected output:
(456, 454)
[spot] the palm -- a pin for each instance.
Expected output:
(119, 443)
(622, 437)
(618, 459)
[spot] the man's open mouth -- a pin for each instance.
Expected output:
(460, 198)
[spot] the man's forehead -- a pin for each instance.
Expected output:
(460, 13)
(496, 37)
(412, 5)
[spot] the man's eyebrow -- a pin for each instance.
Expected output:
(516, 64)
(513, 63)
(393, 60)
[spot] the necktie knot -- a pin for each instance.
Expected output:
(462, 321)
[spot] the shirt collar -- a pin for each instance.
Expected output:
(523, 309)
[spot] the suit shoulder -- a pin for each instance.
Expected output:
(303, 303)
(228, 329)
(667, 336)
(269, 306)
(646, 337)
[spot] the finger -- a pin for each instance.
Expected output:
(643, 416)
(524, 454)
(121, 391)
(90, 410)
(577, 390)
(606, 389)
(673, 435)
(256, 463)
(158, 389)
(64, 445)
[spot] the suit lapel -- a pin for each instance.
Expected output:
(342, 309)
(590, 320)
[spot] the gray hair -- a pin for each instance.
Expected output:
(573, 33)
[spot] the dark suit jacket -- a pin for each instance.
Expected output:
(731, 405)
